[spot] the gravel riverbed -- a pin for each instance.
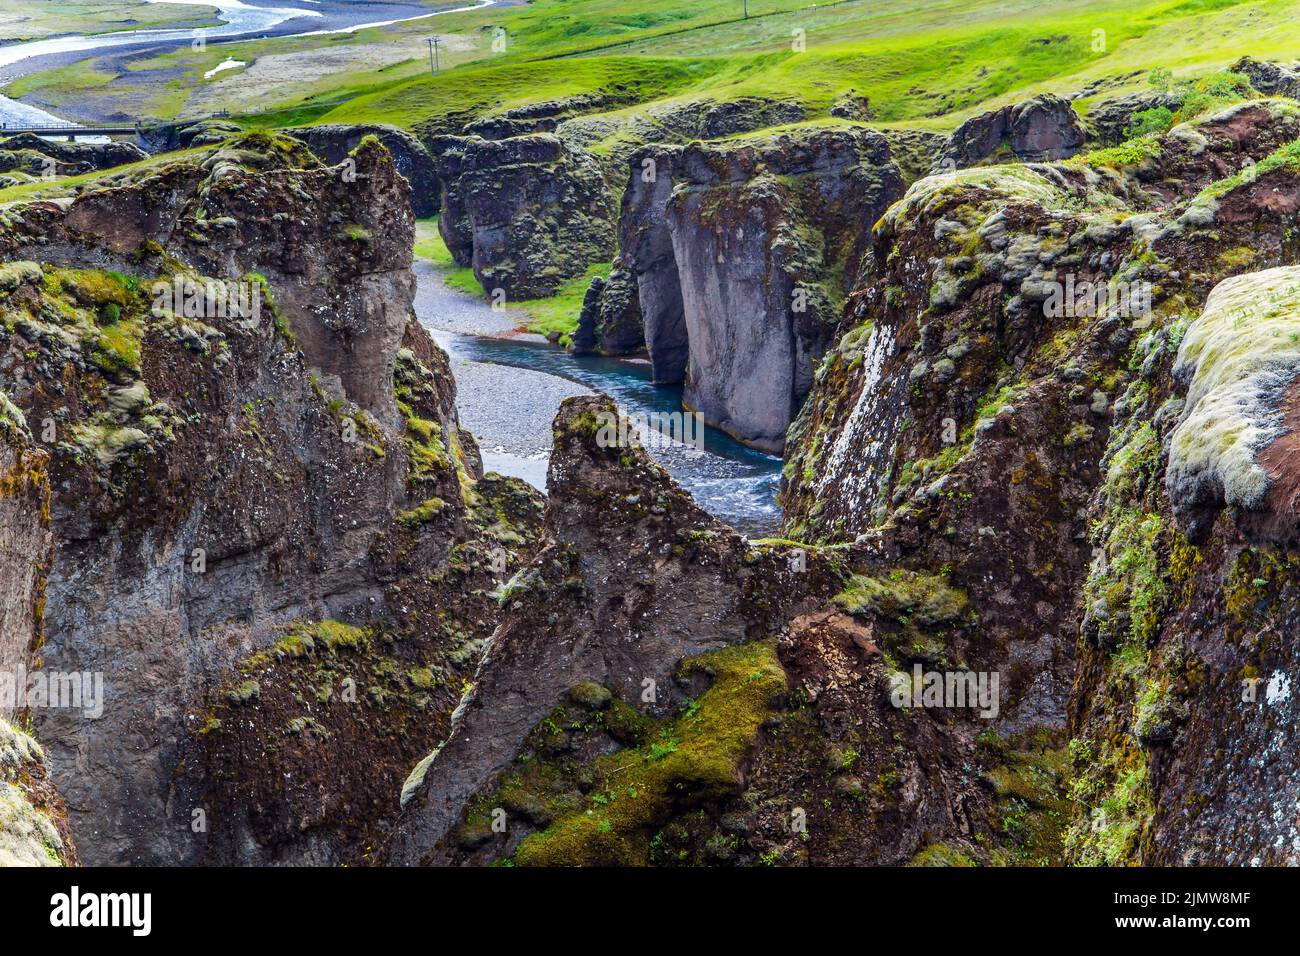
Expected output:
(508, 409)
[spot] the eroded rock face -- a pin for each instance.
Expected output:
(763, 237)
(24, 546)
(1271, 79)
(28, 153)
(1040, 129)
(646, 248)
(172, 136)
(661, 691)
(33, 818)
(576, 618)
(271, 538)
(1064, 449)
(527, 212)
(610, 322)
(333, 142)
(741, 254)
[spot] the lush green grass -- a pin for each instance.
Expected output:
(921, 62)
(516, 82)
(560, 312)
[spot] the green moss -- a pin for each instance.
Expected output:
(422, 513)
(245, 692)
(1031, 811)
(942, 854)
(425, 449)
(119, 347)
(923, 600)
(591, 695)
(1109, 829)
(686, 760)
(90, 287)
(1136, 573)
(14, 274)
(1133, 466)
(305, 638)
(1284, 157)
(1132, 154)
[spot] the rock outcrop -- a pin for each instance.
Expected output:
(1043, 128)
(646, 250)
(1084, 502)
(766, 236)
(599, 624)
(1271, 79)
(610, 322)
(529, 195)
(187, 135)
(527, 213)
(30, 155)
(271, 536)
(334, 142)
(1111, 122)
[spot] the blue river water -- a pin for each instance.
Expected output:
(729, 480)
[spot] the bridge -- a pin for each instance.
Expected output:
(73, 130)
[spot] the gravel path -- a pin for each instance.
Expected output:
(508, 409)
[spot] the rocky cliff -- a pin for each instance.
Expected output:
(1045, 127)
(271, 536)
(34, 827)
(741, 253)
(333, 143)
(1049, 451)
(583, 671)
(527, 212)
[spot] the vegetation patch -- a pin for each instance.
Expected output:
(608, 811)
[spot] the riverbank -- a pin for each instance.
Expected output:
(509, 388)
(508, 409)
(67, 59)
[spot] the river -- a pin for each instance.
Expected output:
(508, 390)
(239, 19)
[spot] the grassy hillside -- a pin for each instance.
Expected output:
(921, 62)
(928, 63)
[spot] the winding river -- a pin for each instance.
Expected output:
(508, 388)
(239, 19)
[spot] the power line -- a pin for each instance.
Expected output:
(435, 61)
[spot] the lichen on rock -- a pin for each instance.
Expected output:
(1239, 359)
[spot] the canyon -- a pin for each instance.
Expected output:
(237, 487)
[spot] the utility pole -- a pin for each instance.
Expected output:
(435, 61)
(746, 9)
